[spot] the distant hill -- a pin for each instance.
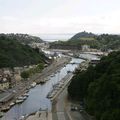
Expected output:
(13, 53)
(103, 41)
(83, 36)
(23, 38)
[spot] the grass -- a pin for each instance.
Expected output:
(87, 38)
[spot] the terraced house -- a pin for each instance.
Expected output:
(4, 81)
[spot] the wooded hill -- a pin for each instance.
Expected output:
(103, 42)
(13, 53)
(23, 38)
(99, 88)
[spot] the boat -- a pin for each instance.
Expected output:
(1, 114)
(12, 104)
(58, 71)
(24, 97)
(20, 98)
(69, 71)
(52, 75)
(23, 117)
(26, 94)
(5, 109)
(33, 84)
(18, 101)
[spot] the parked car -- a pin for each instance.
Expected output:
(74, 108)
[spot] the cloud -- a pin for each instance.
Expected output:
(61, 25)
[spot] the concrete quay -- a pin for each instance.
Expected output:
(67, 79)
(41, 115)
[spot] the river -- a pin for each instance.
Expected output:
(37, 96)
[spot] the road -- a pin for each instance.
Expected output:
(61, 108)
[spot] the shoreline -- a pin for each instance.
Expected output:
(46, 72)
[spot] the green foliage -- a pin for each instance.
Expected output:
(25, 74)
(36, 69)
(82, 35)
(23, 38)
(109, 41)
(103, 42)
(78, 87)
(32, 71)
(100, 87)
(13, 53)
(40, 66)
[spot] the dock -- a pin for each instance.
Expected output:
(60, 87)
(41, 115)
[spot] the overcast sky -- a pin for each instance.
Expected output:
(59, 16)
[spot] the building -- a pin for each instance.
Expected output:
(94, 61)
(85, 48)
(5, 78)
(4, 82)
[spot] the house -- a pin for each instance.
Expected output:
(94, 61)
(4, 81)
(4, 84)
(85, 48)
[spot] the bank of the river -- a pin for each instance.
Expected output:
(61, 105)
(23, 85)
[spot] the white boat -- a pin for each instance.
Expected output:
(4, 109)
(20, 98)
(12, 104)
(33, 84)
(25, 97)
(18, 101)
(52, 75)
(26, 94)
(23, 117)
(1, 114)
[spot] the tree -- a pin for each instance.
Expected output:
(25, 75)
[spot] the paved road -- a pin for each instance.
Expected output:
(61, 109)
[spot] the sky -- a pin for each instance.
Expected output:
(59, 16)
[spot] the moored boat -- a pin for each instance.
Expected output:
(18, 101)
(1, 114)
(5, 109)
(12, 104)
(23, 117)
(26, 94)
(33, 84)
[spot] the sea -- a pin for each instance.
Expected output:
(55, 37)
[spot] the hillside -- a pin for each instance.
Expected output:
(83, 35)
(82, 38)
(109, 41)
(13, 53)
(23, 38)
(99, 88)
(103, 41)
